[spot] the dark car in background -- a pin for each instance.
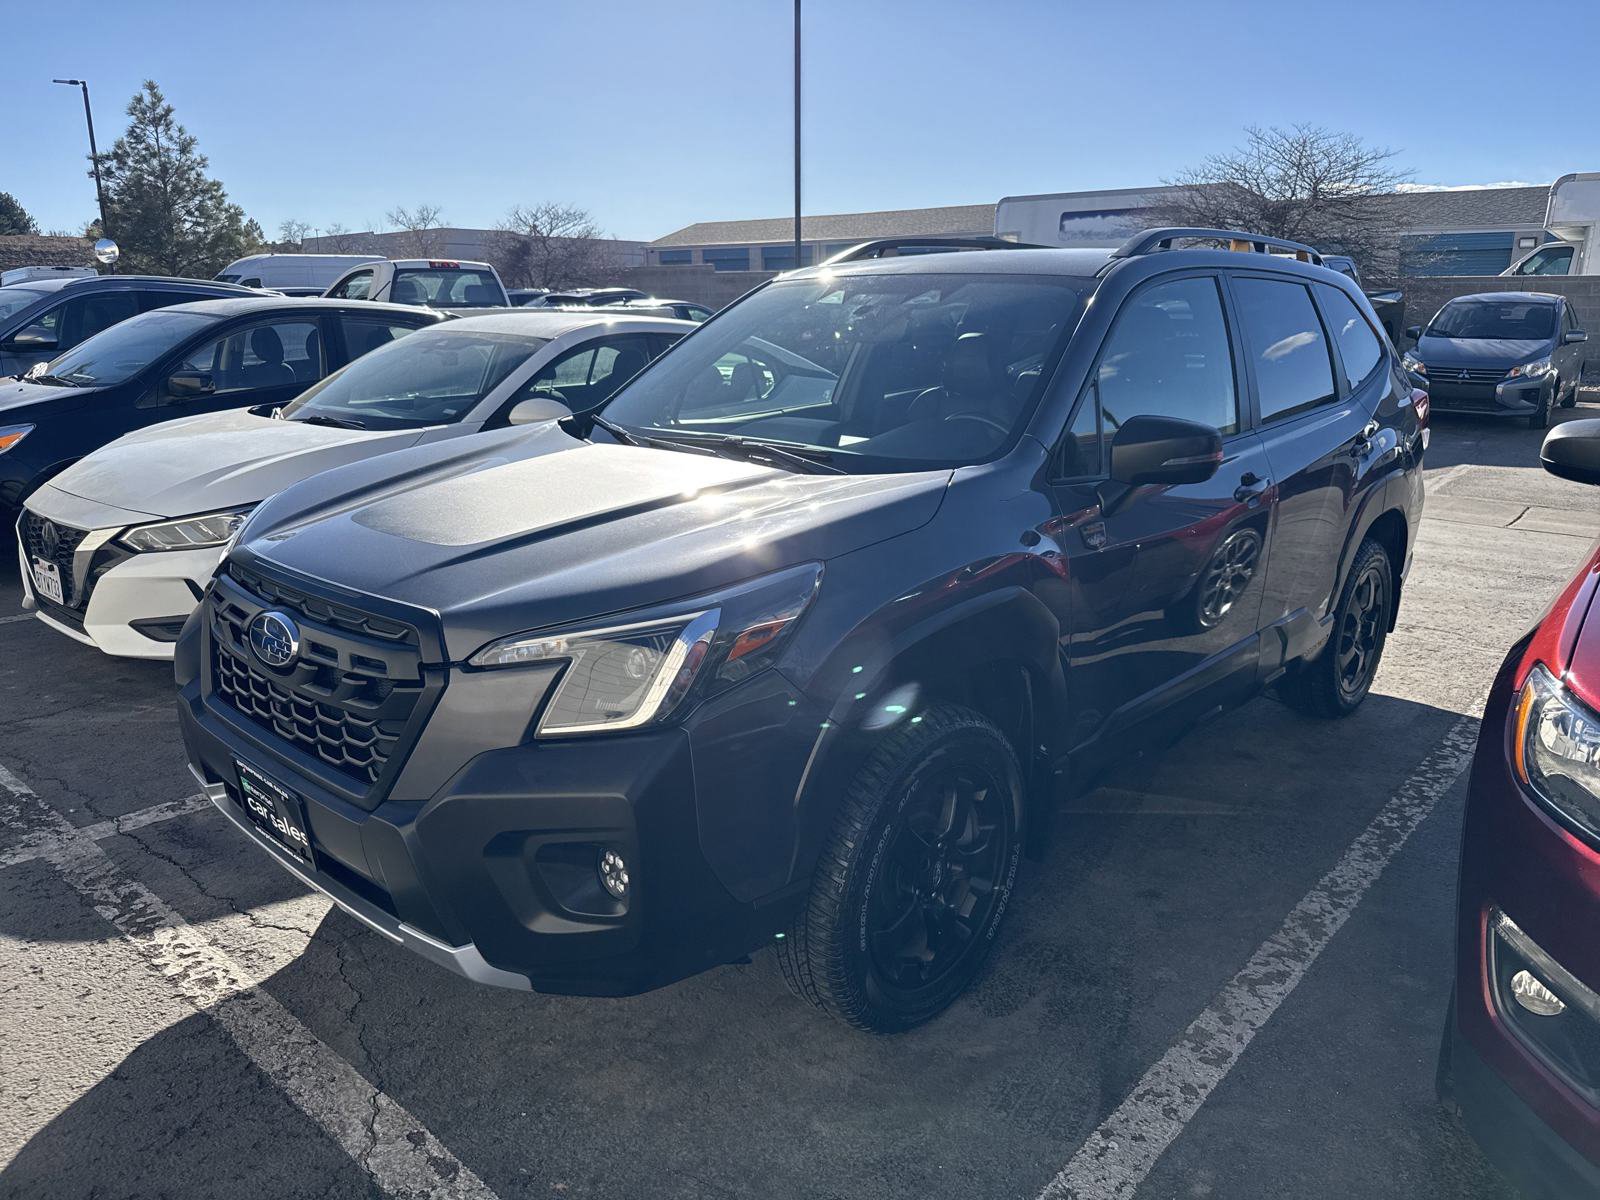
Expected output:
(587, 297)
(1501, 354)
(794, 642)
(1521, 1054)
(173, 362)
(40, 318)
(653, 306)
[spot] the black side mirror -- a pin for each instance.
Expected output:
(1165, 450)
(186, 385)
(1572, 336)
(1572, 451)
(1414, 332)
(33, 338)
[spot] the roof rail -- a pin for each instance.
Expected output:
(1161, 239)
(889, 247)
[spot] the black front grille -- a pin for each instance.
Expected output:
(1466, 374)
(346, 699)
(43, 539)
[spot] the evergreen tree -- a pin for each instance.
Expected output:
(167, 215)
(13, 217)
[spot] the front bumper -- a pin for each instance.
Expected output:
(1507, 398)
(1528, 1085)
(478, 846)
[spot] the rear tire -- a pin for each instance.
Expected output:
(1337, 680)
(911, 888)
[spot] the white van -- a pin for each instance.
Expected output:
(1573, 215)
(292, 270)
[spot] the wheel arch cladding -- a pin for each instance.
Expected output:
(1389, 531)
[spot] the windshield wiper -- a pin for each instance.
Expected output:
(58, 380)
(797, 458)
(336, 422)
(615, 430)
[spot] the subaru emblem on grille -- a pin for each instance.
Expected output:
(275, 638)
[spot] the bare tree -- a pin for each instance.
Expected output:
(293, 232)
(420, 227)
(1306, 183)
(336, 239)
(551, 246)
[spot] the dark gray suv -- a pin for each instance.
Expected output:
(41, 318)
(796, 642)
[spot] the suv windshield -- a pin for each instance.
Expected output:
(121, 352)
(875, 372)
(1517, 319)
(446, 287)
(432, 377)
(15, 299)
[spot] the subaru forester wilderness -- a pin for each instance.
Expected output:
(796, 641)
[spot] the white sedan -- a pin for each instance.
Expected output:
(140, 524)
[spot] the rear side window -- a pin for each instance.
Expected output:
(355, 287)
(1358, 345)
(1286, 344)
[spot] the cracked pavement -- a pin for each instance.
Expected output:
(117, 1082)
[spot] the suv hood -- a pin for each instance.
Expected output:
(531, 528)
(1480, 352)
(215, 461)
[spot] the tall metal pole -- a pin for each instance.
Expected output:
(94, 151)
(797, 260)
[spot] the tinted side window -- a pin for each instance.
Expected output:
(1286, 344)
(84, 316)
(1359, 347)
(275, 354)
(365, 334)
(355, 287)
(1168, 356)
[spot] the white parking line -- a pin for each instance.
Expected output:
(1439, 478)
(1122, 1151)
(399, 1152)
(49, 844)
(16, 617)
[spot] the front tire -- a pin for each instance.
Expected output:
(1337, 680)
(1571, 399)
(911, 888)
(1540, 417)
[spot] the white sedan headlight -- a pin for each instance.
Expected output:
(1531, 370)
(632, 673)
(186, 533)
(1556, 750)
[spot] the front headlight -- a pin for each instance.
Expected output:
(186, 533)
(639, 672)
(1414, 364)
(10, 435)
(1530, 370)
(1556, 750)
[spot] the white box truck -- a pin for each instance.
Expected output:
(1572, 215)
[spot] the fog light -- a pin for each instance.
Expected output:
(1532, 995)
(614, 875)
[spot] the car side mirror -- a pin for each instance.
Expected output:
(537, 408)
(187, 385)
(34, 337)
(1165, 450)
(1572, 336)
(1414, 332)
(1572, 451)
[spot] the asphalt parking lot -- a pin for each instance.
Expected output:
(1228, 978)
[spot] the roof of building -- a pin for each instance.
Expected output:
(1469, 208)
(36, 250)
(838, 227)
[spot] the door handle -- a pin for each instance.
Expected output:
(1250, 487)
(1362, 442)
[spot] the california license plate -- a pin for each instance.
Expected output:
(47, 581)
(275, 810)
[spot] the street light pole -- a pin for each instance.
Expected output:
(797, 262)
(94, 151)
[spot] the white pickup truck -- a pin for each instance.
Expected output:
(431, 282)
(1573, 216)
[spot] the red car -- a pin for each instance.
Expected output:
(1521, 1053)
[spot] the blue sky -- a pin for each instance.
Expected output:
(653, 115)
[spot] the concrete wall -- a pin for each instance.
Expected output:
(703, 285)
